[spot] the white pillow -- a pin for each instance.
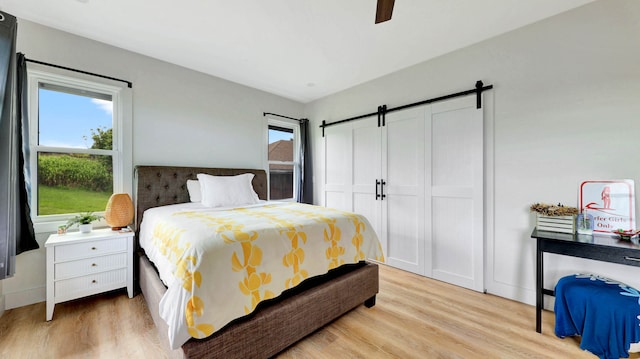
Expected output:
(227, 191)
(195, 194)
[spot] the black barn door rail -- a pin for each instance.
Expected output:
(383, 110)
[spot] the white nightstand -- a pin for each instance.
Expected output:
(82, 264)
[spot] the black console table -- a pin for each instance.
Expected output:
(599, 247)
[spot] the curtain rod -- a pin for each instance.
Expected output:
(283, 116)
(383, 110)
(129, 84)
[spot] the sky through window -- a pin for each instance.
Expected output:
(66, 119)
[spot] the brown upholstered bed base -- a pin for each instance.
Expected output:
(274, 326)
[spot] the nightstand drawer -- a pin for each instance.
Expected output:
(90, 283)
(89, 265)
(89, 249)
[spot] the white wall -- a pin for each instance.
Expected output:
(180, 117)
(565, 108)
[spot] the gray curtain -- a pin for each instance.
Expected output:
(305, 187)
(14, 238)
(25, 238)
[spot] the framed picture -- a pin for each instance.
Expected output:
(611, 203)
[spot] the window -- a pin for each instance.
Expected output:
(77, 142)
(283, 159)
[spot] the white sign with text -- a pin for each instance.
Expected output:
(610, 202)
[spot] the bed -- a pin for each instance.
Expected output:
(276, 323)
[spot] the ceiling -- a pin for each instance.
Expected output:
(298, 49)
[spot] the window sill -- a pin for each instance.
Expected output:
(52, 226)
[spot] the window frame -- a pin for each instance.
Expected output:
(295, 126)
(121, 150)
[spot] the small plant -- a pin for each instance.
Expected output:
(83, 218)
(553, 209)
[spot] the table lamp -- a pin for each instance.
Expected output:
(119, 211)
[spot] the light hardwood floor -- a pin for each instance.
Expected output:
(414, 317)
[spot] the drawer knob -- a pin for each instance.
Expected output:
(93, 248)
(94, 281)
(93, 264)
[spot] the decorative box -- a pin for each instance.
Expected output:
(562, 224)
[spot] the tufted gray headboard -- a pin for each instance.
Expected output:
(164, 185)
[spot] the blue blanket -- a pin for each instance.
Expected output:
(604, 312)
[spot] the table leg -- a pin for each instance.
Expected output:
(539, 286)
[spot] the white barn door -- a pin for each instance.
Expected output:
(431, 220)
(456, 202)
(403, 171)
(366, 171)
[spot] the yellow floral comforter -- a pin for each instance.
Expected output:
(219, 264)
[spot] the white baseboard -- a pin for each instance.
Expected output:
(519, 294)
(25, 297)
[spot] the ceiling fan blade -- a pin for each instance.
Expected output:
(384, 10)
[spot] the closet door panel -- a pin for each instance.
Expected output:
(451, 154)
(456, 188)
(405, 244)
(405, 151)
(362, 205)
(366, 154)
(452, 227)
(403, 171)
(337, 174)
(336, 200)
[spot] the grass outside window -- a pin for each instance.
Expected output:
(59, 200)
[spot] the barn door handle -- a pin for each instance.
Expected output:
(382, 189)
(377, 194)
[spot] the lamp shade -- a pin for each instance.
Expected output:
(119, 211)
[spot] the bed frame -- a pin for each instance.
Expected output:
(276, 324)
